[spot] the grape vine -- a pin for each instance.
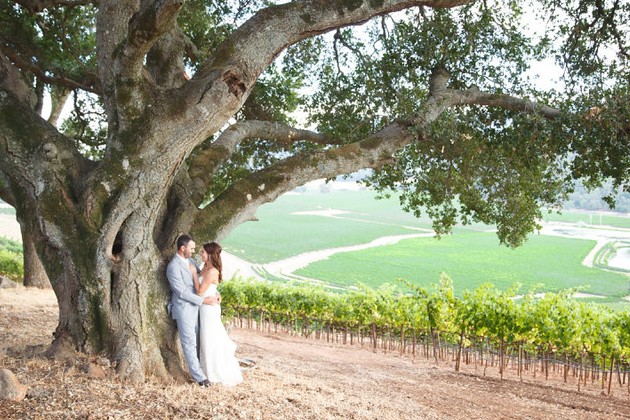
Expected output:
(486, 325)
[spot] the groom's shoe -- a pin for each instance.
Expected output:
(205, 383)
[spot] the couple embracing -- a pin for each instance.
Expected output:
(195, 306)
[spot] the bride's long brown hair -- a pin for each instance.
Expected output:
(213, 250)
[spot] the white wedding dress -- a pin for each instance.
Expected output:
(216, 349)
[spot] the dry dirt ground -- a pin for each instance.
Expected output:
(293, 378)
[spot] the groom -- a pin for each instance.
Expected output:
(185, 304)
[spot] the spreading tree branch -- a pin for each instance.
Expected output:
(512, 103)
(58, 99)
(124, 36)
(267, 130)
(165, 60)
(87, 81)
(225, 80)
(145, 27)
(441, 97)
(12, 81)
(58, 161)
(206, 163)
(219, 217)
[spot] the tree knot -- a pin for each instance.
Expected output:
(234, 83)
(50, 152)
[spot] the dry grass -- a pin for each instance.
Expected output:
(293, 379)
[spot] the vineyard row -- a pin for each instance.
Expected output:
(485, 327)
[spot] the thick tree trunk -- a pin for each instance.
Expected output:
(113, 298)
(115, 307)
(34, 272)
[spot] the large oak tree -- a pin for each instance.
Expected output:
(189, 115)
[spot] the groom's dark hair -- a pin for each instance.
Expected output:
(183, 240)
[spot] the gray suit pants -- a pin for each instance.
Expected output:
(188, 336)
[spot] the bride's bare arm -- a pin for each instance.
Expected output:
(210, 276)
(214, 278)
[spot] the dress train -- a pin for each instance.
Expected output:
(216, 349)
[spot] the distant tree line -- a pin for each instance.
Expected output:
(583, 199)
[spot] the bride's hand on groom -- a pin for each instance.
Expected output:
(212, 300)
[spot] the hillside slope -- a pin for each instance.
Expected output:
(293, 379)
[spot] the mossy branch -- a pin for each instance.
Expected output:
(207, 162)
(240, 201)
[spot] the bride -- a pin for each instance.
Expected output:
(216, 349)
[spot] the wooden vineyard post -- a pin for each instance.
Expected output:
(385, 339)
(413, 345)
(402, 340)
(603, 371)
(520, 361)
(374, 337)
(501, 357)
(436, 347)
(459, 352)
(546, 366)
(610, 375)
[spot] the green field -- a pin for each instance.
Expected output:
(471, 259)
(280, 234)
(471, 256)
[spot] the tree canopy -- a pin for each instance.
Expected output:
(500, 148)
(187, 116)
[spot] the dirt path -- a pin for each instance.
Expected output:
(293, 379)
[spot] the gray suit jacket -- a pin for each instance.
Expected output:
(184, 301)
